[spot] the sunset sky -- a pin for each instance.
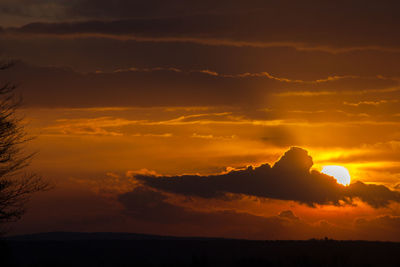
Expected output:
(209, 118)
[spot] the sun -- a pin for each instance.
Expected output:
(341, 174)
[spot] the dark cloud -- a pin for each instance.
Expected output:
(159, 8)
(384, 227)
(359, 25)
(289, 179)
(154, 87)
(339, 24)
(78, 9)
(154, 208)
(89, 54)
(384, 221)
(65, 87)
(17, 12)
(150, 206)
(375, 195)
(288, 214)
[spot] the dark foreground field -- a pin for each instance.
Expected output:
(114, 249)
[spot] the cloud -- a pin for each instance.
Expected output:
(384, 227)
(371, 103)
(317, 25)
(92, 52)
(211, 136)
(153, 207)
(95, 126)
(144, 204)
(157, 8)
(289, 178)
(288, 214)
(170, 87)
(375, 195)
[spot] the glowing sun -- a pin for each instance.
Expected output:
(341, 174)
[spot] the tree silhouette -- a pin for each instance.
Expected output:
(16, 185)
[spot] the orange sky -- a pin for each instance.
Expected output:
(207, 89)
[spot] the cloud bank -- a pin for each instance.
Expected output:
(289, 178)
(150, 206)
(341, 25)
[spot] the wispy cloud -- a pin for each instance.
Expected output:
(370, 103)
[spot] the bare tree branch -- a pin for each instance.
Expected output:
(16, 186)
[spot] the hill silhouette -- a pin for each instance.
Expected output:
(129, 249)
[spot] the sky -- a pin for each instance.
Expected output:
(209, 118)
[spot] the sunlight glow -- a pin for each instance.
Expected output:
(341, 174)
